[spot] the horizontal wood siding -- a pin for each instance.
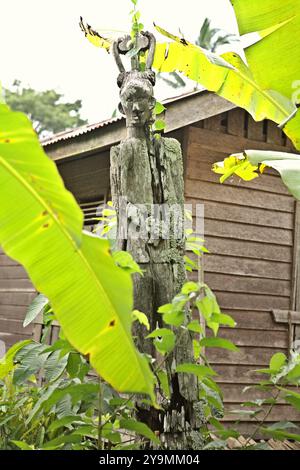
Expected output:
(248, 229)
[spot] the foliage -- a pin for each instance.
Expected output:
(227, 75)
(272, 67)
(260, 93)
(211, 38)
(68, 409)
(47, 110)
(42, 229)
(245, 166)
(283, 376)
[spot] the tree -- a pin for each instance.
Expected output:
(210, 39)
(46, 109)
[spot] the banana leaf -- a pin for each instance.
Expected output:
(41, 228)
(274, 60)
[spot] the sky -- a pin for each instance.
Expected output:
(42, 45)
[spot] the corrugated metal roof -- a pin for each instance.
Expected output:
(69, 134)
(72, 133)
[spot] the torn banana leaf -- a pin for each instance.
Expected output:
(234, 82)
(99, 38)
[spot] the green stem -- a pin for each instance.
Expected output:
(100, 440)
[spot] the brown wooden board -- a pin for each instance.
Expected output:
(12, 284)
(256, 338)
(247, 285)
(248, 232)
(16, 298)
(255, 130)
(13, 272)
(236, 122)
(228, 143)
(235, 213)
(279, 413)
(248, 249)
(243, 374)
(254, 301)
(11, 338)
(238, 195)
(13, 312)
(246, 267)
(9, 325)
(274, 134)
(247, 355)
(255, 320)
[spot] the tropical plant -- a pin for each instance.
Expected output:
(279, 385)
(41, 228)
(210, 39)
(49, 400)
(268, 85)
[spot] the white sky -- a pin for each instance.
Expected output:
(41, 43)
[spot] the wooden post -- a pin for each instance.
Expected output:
(295, 298)
(148, 195)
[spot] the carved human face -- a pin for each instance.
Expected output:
(138, 102)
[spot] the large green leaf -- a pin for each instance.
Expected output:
(7, 363)
(41, 228)
(36, 307)
(274, 60)
(235, 82)
(245, 165)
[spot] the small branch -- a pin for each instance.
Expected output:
(260, 424)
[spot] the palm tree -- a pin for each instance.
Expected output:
(210, 39)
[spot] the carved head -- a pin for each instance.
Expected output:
(137, 100)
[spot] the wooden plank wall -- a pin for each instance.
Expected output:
(248, 228)
(16, 293)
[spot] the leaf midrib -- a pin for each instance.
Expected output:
(9, 168)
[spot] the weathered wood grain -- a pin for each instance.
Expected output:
(236, 122)
(255, 130)
(246, 267)
(274, 134)
(242, 196)
(248, 249)
(254, 301)
(246, 337)
(249, 232)
(247, 285)
(228, 143)
(235, 213)
(247, 355)
(16, 298)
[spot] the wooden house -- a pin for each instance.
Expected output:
(251, 230)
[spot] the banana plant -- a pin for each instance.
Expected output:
(41, 227)
(266, 86)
